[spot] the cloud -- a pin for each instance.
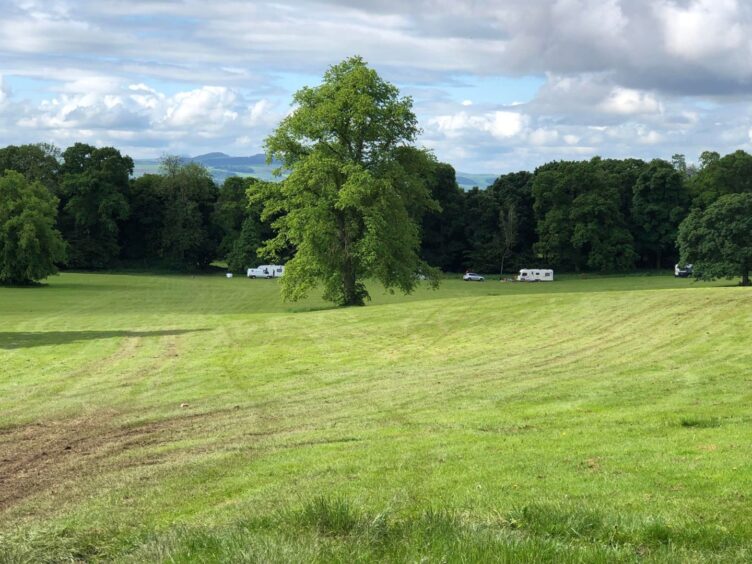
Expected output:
(628, 101)
(499, 124)
(4, 92)
(209, 107)
(141, 116)
(620, 77)
(703, 28)
(543, 136)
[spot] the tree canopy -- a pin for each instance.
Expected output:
(93, 203)
(189, 238)
(349, 146)
(38, 162)
(718, 176)
(659, 204)
(718, 240)
(30, 246)
(357, 188)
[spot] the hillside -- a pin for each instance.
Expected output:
(181, 419)
(222, 166)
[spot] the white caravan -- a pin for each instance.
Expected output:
(266, 271)
(535, 275)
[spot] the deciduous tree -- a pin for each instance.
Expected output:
(356, 192)
(189, 238)
(718, 240)
(660, 202)
(443, 232)
(718, 176)
(30, 246)
(38, 162)
(93, 203)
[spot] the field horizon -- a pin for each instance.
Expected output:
(197, 418)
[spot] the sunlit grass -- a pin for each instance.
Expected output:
(600, 419)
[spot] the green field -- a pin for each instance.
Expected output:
(176, 418)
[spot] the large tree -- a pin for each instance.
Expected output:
(189, 237)
(514, 192)
(357, 189)
(93, 203)
(443, 229)
(39, 162)
(141, 234)
(718, 176)
(718, 240)
(660, 202)
(231, 211)
(580, 220)
(481, 230)
(29, 243)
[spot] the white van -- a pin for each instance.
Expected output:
(536, 275)
(266, 271)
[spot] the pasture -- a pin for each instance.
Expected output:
(181, 419)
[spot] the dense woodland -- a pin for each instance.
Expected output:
(601, 215)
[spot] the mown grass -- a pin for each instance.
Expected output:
(601, 419)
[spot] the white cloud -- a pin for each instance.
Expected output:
(622, 77)
(209, 107)
(570, 139)
(507, 124)
(260, 113)
(542, 136)
(500, 124)
(140, 115)
(628, 101)
(651, 137)
(702, 28)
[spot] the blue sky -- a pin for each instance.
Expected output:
(498, 85)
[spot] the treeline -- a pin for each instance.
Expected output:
(178, 219)
(602, 215)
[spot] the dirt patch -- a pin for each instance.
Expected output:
(40, 456)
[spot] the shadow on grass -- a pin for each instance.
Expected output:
(26, 339)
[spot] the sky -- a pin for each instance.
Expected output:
(498, 86)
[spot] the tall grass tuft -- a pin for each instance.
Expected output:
(334, 516)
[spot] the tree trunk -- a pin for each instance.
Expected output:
(745, 277)
(658, 259)
(501, 270)
(349, 285)
(350, 294)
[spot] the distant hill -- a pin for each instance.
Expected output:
(468, 180)
(222, 166)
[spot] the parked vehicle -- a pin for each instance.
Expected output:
(266, 271)
(472, 277)
(536, 275)
(682, 271)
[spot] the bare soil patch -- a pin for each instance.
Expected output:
(40, 456)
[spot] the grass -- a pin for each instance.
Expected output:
(182, 419)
